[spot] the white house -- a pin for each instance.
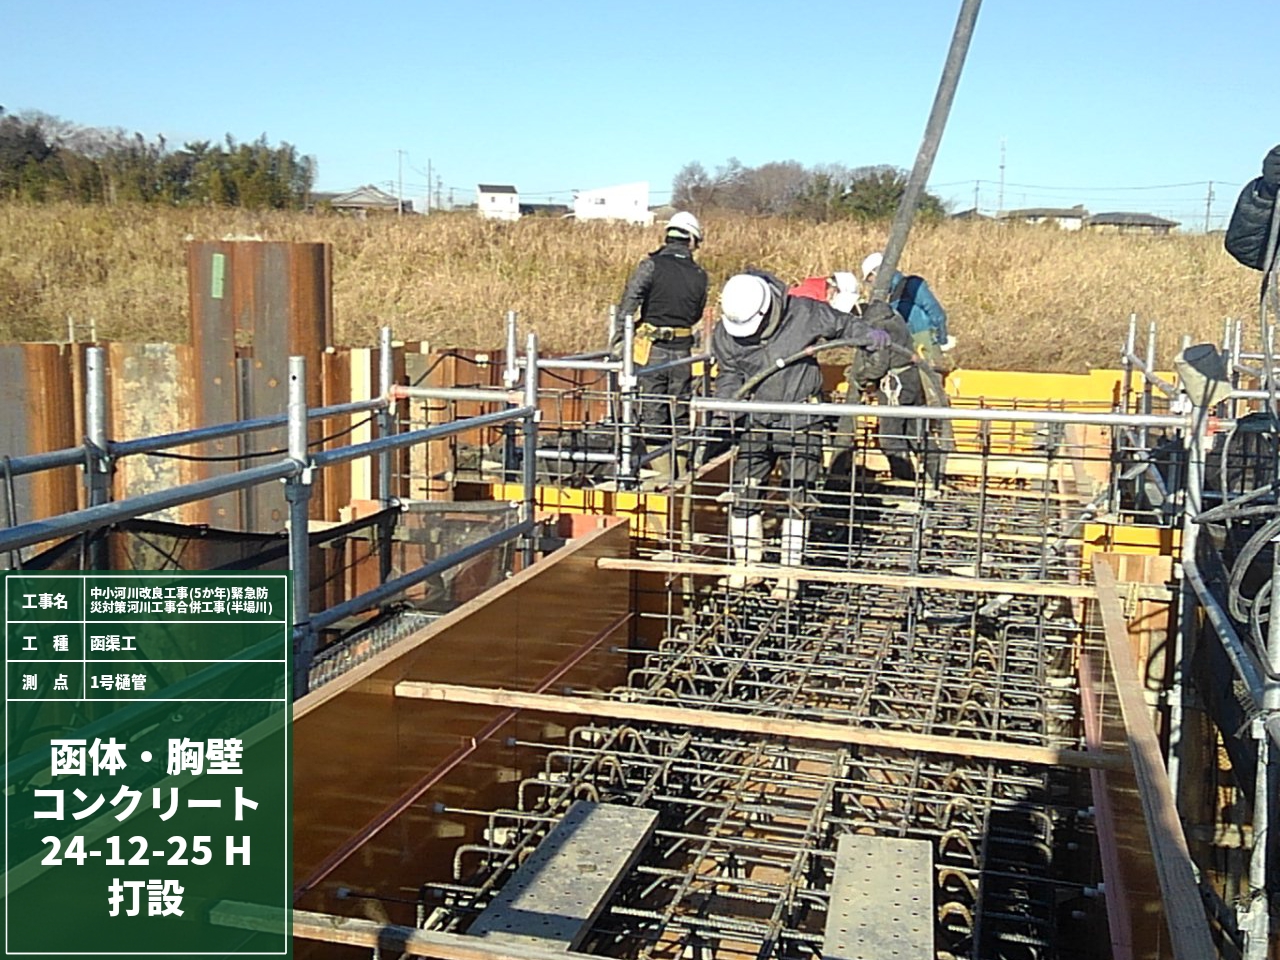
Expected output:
(627, 201)
(497, 201)
(1068, 218)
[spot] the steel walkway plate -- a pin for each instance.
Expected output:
(881, 900)
(556, 894)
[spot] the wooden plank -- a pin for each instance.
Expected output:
(391, 938)
(757, 726)
(881, 900)
(560, 889)
(1018, 588)
(1188, 928)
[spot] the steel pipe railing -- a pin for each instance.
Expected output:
(981, 414)
(327, 458)
(38, 531)
(392, 588)
(125, 448)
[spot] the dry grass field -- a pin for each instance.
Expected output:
(1032, 298)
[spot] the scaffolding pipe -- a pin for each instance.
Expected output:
(126, 448)
(386, 428)
(984, 414)
(297, 492)
(327, 458)
(473, 394)
(97, 461)
(68, 524)
(529, 462)
(1153, 378)
(627, 383)
(566, 364)
(511, 372)
(392, 588)
(679, 362)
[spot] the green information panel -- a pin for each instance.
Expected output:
(147, 764)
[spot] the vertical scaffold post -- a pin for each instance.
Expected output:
(297, 492)
(627, 385)
(386, 427)
(1149, 367)
(1118, 440)
(97, 461)
(530, 460)
(1188, 607)
(510, 379)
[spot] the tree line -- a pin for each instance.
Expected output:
(823, 192)
(43, 158)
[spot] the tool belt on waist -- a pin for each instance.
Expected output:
(653, 332)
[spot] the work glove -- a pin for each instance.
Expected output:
(879, 339)
(947, 345)
(1271, 170)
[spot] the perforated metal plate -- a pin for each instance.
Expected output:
(555, 895)
(881, 900)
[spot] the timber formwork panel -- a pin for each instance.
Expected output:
(368, 765)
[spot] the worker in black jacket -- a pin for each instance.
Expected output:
(666, 295)
(1249, 231)
(760, 326)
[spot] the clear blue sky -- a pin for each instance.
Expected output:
(1120, 105)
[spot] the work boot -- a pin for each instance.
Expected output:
(746, 548)
(794, 532)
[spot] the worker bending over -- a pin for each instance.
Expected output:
(761, 326)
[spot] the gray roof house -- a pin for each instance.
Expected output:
(1130, 223)
(1066, 218)
(362, 201)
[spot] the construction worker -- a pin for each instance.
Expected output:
(839, 289)
(892, 376)
(925, 316)
(666, 294)
(761, 327)
(1250, 227)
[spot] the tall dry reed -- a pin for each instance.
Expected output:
(1018, 298)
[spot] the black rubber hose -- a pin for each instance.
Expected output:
(812, 350)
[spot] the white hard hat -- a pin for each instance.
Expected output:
(871, 264)
(845, 296)
(744, 302)
(686, 223)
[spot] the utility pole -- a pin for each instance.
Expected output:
(400, 183)
(1208, 203)
(975, 196)
(439, 186)
(429, 185)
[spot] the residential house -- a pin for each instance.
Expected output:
(970, 214)
(363, 201)
(1069, 218)
(557, 210)
(1130, 223)
(497, 201)
(628, 202)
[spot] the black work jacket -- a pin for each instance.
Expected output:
(667, 289)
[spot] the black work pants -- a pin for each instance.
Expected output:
(664, 394)
(796, 443)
